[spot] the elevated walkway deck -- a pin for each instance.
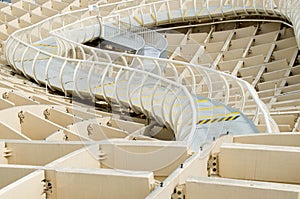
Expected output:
(193, 118)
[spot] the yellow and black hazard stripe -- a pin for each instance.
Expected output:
(220, 119)
(109, 84)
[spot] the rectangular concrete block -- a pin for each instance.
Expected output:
(102, 183)
(260, 162)
(216, 188)
(162, 158)
(280, 139)
(30, 186)
(11, 173)
(38, 153)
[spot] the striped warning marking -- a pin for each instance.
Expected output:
(220, 119)
(45, 45)
(201, 11)
(153, 16)
(219, 115)
(138, 20)
(125, 24)
(185, 13)
(202, 100)
(209, 108)
(107, 84)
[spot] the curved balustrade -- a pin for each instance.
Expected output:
(290, 10)
(165, 12)
(104, 84)
(194, 77)
(197, 79)
(139, 39)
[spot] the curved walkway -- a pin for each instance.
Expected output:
(140, 82)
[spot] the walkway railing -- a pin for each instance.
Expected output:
(197, 79)
(139, 84)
